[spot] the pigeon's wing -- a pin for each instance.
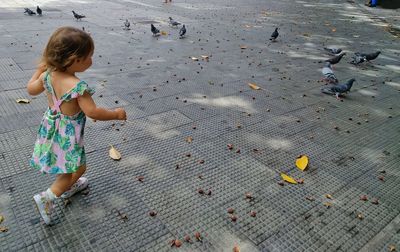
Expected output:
(328, 90)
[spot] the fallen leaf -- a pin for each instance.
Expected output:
(310, 198)
(302, 162)
(360, 216)
(327, 204)
(206, 57)
(1, 218)
(392, 248)
(248, 196)
(230, 146)
(253, 86)
(300, 181)
(333, 29)
(189, 139)
(363, 197)
(194, 58)
(23, 100)
(140, 178)
(328, 196)
(231, 210)
(375, 201)
(243, 47)
(233, 218)
(288, 179)
(3, 229)
(253, 214)
(114, 154)
(201, 191)
(123, 216)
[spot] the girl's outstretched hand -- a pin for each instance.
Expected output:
(121, 114)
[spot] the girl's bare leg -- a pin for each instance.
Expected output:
(65, 181)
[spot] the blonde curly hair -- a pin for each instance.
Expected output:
(66, 45)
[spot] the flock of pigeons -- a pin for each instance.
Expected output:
(334, 87)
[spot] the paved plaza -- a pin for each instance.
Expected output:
(198, 139)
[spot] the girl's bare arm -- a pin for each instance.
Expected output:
(35, 84)
(90, 109)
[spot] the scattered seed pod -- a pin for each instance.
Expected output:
(238, 151)
(392, 248)
(116, 102)
(327, 204)
(187, 239)
(336, 127)
(209, 192)
(194, 127)
(198, 236)
(310, 198)
(300, 181)
(255, 150)
(253, 214)
(249, 196)
(233, 218)
(140, 178)
(360, 216)
(152, 213)
(230, 146)
(281, 183)
(177, 243)
(188, 155)
(66, 203)
(381, 178)
(201, 161)
(236, 248)
(3, 229)
(364, 198)
(201, 191)
(328, 196)
(200, 177)
(231, 210)
(375, 201)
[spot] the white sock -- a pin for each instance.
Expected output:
(50, 195)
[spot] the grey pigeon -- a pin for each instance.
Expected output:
(369, 56)
(328, 74)
(77, 16)
(334, 60)
(29, 12)
(333, 51)
(182, 31)
(173, 22)
(127, 24)
(339, 89)
(358, 59)
(274, 35)
(154, 30)
(38, 10)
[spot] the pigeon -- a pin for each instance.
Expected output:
(333, 51)
(339, 89)
(77, 16)
(173, 22)
(127, 24)
(358, 59)
(369, 56)
(29, 12)
(38, 10)
(182, 31)
(329, 76)
(336, 59)
(154, 30)
(274, 35)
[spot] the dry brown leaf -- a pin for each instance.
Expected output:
(328, 196)
(198, 236)
(253, 86)
(3, 229)
(22, 100)
(243, 47)
(1, 218)
(327, 204)
(360, 216)
(114, 154)
(178, 243)
(392, 248)
(333, 29)
(206, 57)
(187, 239)
(194, 58)
(189, 139)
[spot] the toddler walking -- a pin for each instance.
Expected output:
(59, 146)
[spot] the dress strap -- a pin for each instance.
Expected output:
(49, 87)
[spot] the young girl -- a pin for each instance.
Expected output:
(59, 146)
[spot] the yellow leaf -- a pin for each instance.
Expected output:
(302, 162)
(194, 58)
(253, 86)
(243, 47)
(164, 33)
(114, 154)
(22, 100)
(189, 139)
(288, 178)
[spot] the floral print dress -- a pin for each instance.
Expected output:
(59, 145)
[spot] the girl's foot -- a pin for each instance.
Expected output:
(44, 205)
(79, 185)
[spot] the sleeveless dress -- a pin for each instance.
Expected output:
(59, 145)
